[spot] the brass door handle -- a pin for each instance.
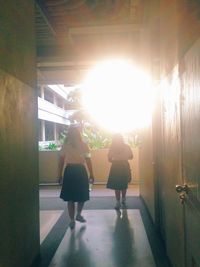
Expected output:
(182, 188)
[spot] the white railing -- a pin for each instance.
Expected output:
(50, 112)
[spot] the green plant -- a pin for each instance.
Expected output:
(133, 140)
(96, 139)
(63, 136)
(52, 146)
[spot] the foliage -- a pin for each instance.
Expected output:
(52, 146)
(74, 96)
(92, 135)
(49, 147)
(74, 99)
(96, 139)
(79, 116)
(63, 136)
(133, 140)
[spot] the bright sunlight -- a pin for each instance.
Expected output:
(118, 96)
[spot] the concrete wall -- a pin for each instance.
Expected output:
(102, 165)
(149, 59)
(48, 166)
(177, 25)
(146, 169)
(19, 200)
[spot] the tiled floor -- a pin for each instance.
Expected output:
(97, 190)
(47, 220)
(108, 239)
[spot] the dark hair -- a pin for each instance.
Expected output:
(74, 137)
(117, 141)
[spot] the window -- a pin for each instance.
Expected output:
(49, 131)
(48, 95)
(40, 130)
(59, 102)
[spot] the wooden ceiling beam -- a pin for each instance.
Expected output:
(44, 13)
(105, 29)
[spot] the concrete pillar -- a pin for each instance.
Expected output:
(19, 196)
(55, 132)
(42, 91)
(43, 130)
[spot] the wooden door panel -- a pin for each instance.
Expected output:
(192, 230)
(170, 169)
(191, 151)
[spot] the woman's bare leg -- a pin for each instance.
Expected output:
(80, 207)
(79, 217)
(124, 198)
(124, 193)
(117, 196)
(71, 210)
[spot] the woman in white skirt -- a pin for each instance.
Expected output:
(74, 158)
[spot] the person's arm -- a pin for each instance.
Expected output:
(130, 153)
(110, 156)
(88, 161)
(60, 168)
(61, 163)
(90, 169)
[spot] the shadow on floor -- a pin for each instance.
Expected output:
(55, 236)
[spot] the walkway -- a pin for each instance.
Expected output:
(108, 239)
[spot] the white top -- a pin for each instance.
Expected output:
(75, 155)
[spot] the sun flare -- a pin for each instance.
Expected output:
(118, 96)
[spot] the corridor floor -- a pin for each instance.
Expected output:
(109, 238)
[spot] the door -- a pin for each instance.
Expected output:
(190, 132)
(167, 145)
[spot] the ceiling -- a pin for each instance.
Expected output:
(72, 35)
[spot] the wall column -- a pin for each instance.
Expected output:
(19, 194)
